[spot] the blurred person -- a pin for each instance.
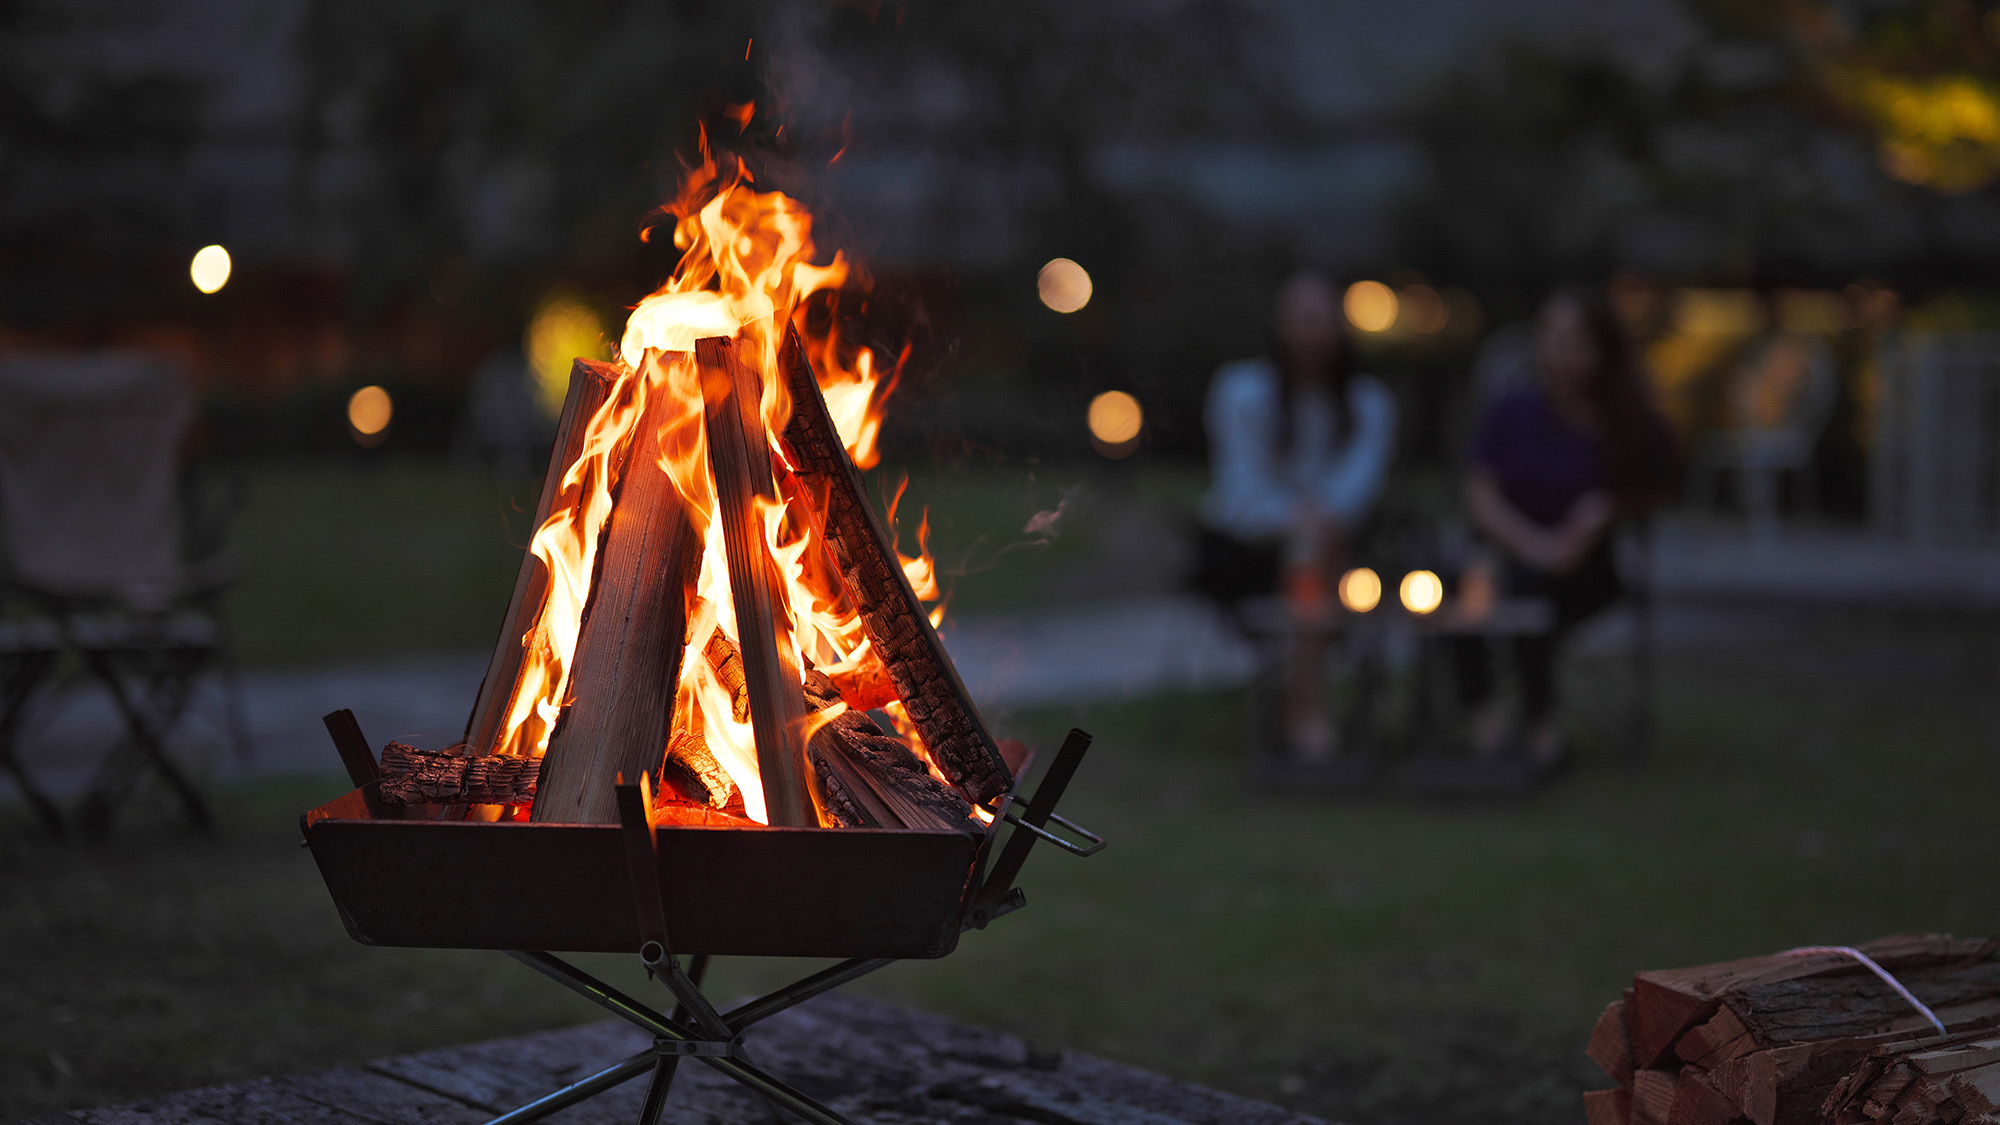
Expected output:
(1555, 465)
(1299, 448)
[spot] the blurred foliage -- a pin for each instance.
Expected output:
(480, 149)
(1793, 143)
(1925, 80)
(84, 147)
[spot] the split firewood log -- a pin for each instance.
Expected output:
(1667, 1004)
(691, 766)
(870, 779)
(739, 457)
(589, 385)
(1808, 1039)
(627, 663)
(727, 660)
(416, 777)
(898, 628)
(1609, 1047)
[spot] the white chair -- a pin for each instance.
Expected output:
(90, 448)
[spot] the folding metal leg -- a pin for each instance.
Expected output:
(150, 714)
(24, 672)
(672, 1038)
(696, 1029)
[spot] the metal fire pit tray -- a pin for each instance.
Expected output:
(667, 891)
(764, 892)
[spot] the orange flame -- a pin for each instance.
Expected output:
(745, 269)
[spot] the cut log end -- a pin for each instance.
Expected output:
(425, 777)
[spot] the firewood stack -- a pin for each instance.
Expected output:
(822, 760)
(1806, 1038)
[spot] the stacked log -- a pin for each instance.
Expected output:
(822, 761)
(921, 673)
(428, 777)
(1806, 1038)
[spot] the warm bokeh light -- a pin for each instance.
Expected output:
(1064, 286)
(210, 268)
(1422, 310)
(1421, 591)
(561, 330)
(368, 411)
(1370, 306)
(1115, 417)
(1115, 420)
(1360, 590)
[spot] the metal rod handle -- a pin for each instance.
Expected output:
(1096, 842)
(577, 1091)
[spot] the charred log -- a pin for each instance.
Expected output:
(417, 777)
(898, 628)
(691, 767)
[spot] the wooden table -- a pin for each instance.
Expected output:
(872, 1061)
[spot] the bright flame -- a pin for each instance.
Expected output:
(1421, 591)
(210, 268)
(745, 271)
(1063, 285)
(1370, 306)
(1360, 590)
(369, 410)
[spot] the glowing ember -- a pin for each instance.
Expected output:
(746, 268)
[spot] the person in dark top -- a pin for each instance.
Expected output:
(1554, 466)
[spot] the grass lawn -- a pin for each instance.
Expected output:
(1376, 960)
(345, 561)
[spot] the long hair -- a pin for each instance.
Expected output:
(1335, 375)
(1641, 455)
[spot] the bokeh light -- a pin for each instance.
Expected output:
(1064, 286)
(1370, 306)
(210, 268)
(1421, 591)
(560, 331)
(1422, 310)
(1115, 420)
(1360, 590)
(368, 412)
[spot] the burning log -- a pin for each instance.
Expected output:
(899, 631)
(739, 458)
(691, 767)
(415, 777)
(727, 660)
(1806, 1039)
(869, 779)
(864, 683)
(618, 714)
(589, 385)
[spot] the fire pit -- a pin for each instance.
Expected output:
(676, 750)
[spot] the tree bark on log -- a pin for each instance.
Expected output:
(589, 385)
(898, 628)
(869, 779)
(691, 766)
(627, 663)
(416, 777)
(739, 456)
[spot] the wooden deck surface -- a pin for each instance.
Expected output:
(871, 1061)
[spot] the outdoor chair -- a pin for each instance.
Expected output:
(1781, 399)
(91, 507)
(1612, 696)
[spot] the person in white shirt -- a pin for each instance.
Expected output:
(1299, 448)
